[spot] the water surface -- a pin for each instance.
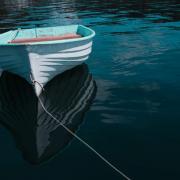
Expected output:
(134, 119)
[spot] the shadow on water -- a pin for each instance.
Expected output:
(68, 96)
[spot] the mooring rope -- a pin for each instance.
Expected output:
(78, 138)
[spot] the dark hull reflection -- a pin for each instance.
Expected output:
(68, 96)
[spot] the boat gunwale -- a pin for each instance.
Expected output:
(56, 41)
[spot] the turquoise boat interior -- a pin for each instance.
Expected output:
(84, 32)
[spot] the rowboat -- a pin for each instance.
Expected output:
(42, 53)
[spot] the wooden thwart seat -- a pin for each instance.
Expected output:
(46, 38)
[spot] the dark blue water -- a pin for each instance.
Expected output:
(134, 120)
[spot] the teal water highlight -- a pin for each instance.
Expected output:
(134, 119)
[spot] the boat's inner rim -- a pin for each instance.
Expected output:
(53, 38)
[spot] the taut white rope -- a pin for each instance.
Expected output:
(81, 140)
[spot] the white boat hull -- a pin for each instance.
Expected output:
(39, 60)
(44, 61)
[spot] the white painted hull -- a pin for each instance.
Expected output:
(44, 61)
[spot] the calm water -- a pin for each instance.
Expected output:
(132, 115)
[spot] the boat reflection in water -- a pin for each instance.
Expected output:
(68, 96)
